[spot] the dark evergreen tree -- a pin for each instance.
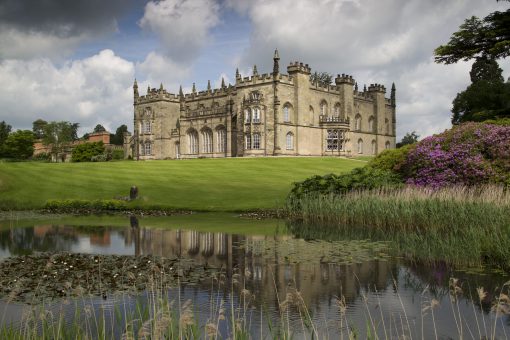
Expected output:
(409, 138)
(38, 128)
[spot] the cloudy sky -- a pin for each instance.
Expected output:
(76, 60)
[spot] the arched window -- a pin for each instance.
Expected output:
(360, 145)
(286, 115)
(193, 141)
(373, 148)
(221, 137)
(247, 115)
(148, 148)
(387, 125)
(146, 126)
(206, 140)
(357, 122)
(177, 150)
(387, 145)
(324, 108)
(256, 115)
(337, 109)
(256, 141)
(289, 139)
(371, 125)
(247, 142)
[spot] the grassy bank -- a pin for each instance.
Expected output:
(200, 184)
(466, 226)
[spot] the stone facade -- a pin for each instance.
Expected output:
(271, 114)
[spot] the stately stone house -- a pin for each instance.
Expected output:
(271, 114)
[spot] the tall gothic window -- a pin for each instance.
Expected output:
(337, 109)
(360, 145)
(221, 137)
(247, 115)
(193, 142)
(256, 115)
(142, 149)
(371, 125)
(148, 148)
(387, 145)
(357, 122)
(289, 139)
(256, 141)
(373, 147)
(247, 142)
(207, 140)
(332, 140)
(387, 124)
(146, 126)
(286, 115)
(324, 108)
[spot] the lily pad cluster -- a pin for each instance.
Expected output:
(315, 251)
(33, 278)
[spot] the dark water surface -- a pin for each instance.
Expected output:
(275, 275)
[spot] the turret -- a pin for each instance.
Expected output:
(238, 75)
(181, 97)
(276, 63)
(345, 84)
(161, 87)
(135, 90)
(208, 86)
(222, 83)
(298, 67)
(193, 90)
(255, 72)
(392, 98)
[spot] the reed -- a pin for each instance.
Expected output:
(461, 224)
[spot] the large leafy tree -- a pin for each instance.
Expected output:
(99, 128)
(19, 144)
(38, 128)
(487, 38)
(5, 130)
(487, 97)
(409, 138)
(118, 137)
(321, 78)
(59, 135)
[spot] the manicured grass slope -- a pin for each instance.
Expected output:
(201, 184)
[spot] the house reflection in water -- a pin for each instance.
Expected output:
(314, 280)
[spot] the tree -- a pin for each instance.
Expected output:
(38, 128)
(118, 137)
(321, 78)
(20, 144)
(5, 130)
(58, 135)
(85, 152)
(99, 128)
(409, 138)
(487, 97)
(488, 38)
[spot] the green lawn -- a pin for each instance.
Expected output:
(199, 184)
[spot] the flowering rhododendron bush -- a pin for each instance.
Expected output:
(467, 154)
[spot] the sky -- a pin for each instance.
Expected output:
(77, 60)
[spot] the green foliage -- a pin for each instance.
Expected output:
(117, 154)
(118, 137)
(391, 159)
(87, 151)
(486, 98)
(59, 135)
(5, 130)
(38, 127)
(72, 205)
(99, 128)
(19, 145)
(321, 78)
(487, 38)
(43, 156)
(498, 121)
(409, 138)
(357, 179)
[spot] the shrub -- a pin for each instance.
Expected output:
(468, 154)
(72, 205)
(392, 159)
(357, 179)
(87, 151)
(117, 154)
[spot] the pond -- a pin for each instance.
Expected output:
(232, 275)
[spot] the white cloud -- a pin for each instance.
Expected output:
(157, 68)
(181, 25)
(95, 90)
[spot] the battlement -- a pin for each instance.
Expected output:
(344, 79)
(377, 88)
(254, 79)
(296, 67)
(156, 94)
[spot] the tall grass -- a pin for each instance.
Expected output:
(461, 224)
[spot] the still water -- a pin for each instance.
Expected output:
(341, 285)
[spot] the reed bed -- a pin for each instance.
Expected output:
(460, 224)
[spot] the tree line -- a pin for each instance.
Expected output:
(57, 135)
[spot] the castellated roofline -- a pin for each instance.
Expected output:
(298, 67)
(377, 88)
(344, 79)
